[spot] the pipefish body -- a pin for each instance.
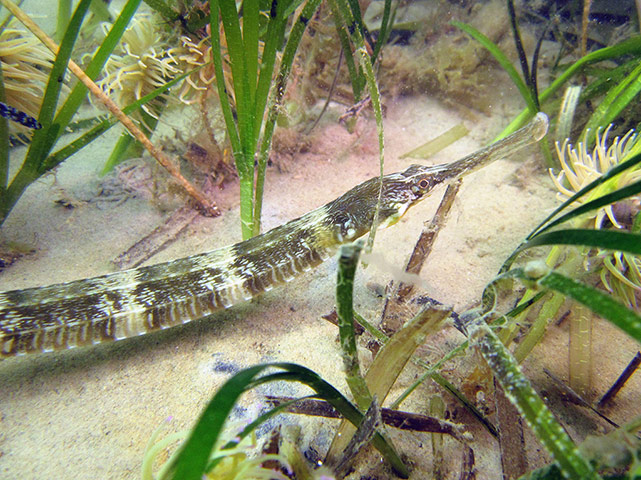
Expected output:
(141, 300)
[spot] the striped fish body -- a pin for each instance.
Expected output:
(137, 301)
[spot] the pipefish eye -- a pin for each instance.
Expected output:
(421, 186)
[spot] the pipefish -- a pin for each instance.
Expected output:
(137, 301)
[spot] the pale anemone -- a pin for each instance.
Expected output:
(149, 57)
(26, 65)
(242, 462)
(621, 272)
(580, 167)
(143, 63)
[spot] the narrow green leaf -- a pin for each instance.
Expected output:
(347, 262)
(251, 27)
(607, 239)
(631, 46)
(223, 94)
(193, 459)
(291, 8)
(253, 425)
(44, 138)
(596, 300)
(243, 92)
(372, 86)
(100, 57)
(340, 13)
(547, 223)
(607, 199)
(548, 312)
(293, 41)
(163, 9)
(191, 462)
(61, 155)
(390, 361)
(395, 354)
(328, 393)
(62, 19)
(387, 22)
(614, 102)
(4, 142)
(604, 78)
(275, 30)
(566, 112)
(117, 155)
(437, 144)
(357, 17)
(468, 404)
(347, 16)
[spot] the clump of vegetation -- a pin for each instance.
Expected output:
(442, 60)
(234, 462)
(54, 115)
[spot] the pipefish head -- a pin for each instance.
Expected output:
(405, 189)
(354, 211)
(352, 214)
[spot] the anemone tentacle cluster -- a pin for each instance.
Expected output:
(194, 54)
(243, 461)
(580, 167)
(620, 272)
(141, 64)
(148, 57)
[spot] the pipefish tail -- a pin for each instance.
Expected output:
(138, 301)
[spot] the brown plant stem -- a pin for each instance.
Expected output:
(584, 26)
(416, 422)
(393, 309)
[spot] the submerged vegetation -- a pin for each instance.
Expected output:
(233, 61)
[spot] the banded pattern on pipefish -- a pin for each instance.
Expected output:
(137, 301)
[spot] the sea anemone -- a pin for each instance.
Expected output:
(149, 57)
(26, 65)
(579, 168)
(620, 272)
(143, 62)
